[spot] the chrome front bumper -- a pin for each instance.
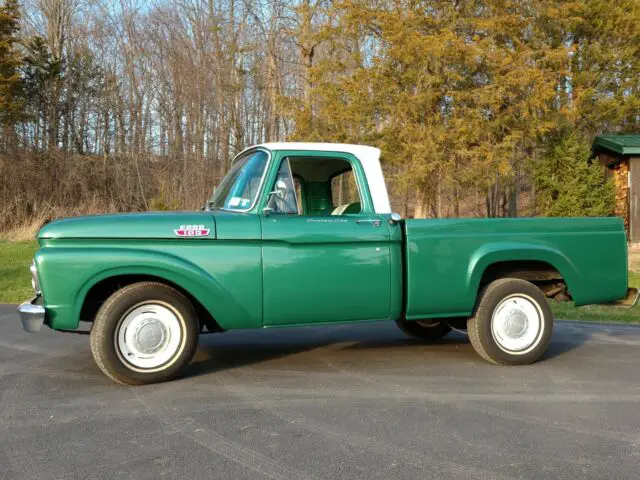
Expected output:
(32, 315)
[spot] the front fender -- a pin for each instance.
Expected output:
(68, 273)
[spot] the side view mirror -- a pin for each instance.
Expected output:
(280, 191)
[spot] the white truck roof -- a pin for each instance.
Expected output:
(369, 158)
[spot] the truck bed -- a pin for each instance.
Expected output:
(446, 259)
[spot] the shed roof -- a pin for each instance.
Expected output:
(620, 144)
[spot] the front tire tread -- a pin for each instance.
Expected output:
(101, 338)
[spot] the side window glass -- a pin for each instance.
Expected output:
(344, 194)
(283, 198)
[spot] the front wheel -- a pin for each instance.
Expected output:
(512, 323)
(144, 333)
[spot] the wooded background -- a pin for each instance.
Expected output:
(481, 108)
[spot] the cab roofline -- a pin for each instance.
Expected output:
(368, 156)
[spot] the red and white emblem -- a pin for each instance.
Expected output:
(192, 231)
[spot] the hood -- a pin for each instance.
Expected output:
(160, 225)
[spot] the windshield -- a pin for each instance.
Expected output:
(239, 188)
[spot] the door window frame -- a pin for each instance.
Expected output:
(366, 207)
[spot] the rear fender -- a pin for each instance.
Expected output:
(491, 253)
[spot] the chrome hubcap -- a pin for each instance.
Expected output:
(516, 324)
(149, 336)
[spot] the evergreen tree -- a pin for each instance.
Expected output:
(11, 100)
(568, 184)
(40, 73)
(454, 93)
(602, 86)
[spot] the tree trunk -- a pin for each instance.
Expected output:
(420, 209)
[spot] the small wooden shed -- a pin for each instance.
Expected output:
(621, 155)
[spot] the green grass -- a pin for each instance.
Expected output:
(15, 287)
(15, 279)
(600, 313)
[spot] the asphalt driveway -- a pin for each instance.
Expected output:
(343, 402)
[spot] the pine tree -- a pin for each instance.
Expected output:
(11, 100)
(602, 86)
(568, 184)
(453, 93)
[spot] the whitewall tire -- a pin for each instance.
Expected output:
(512, 323)
(144, 333)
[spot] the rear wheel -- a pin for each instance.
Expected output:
(512, 324)
(425, 329)
(144, 333)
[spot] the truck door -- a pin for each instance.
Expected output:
(320, 267)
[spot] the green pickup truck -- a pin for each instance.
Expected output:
(303, 234)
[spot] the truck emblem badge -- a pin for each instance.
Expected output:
(192, 231)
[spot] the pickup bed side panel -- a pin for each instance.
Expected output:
(446, 258)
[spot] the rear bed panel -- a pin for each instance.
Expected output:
(446, 258)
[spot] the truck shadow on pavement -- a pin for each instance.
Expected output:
(361, 346)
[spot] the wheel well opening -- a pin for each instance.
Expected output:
(102, 290)
(542, 274)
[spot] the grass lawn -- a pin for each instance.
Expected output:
(15, 287)
(600, 313)
(15, 278)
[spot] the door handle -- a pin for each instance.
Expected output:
(372, 221)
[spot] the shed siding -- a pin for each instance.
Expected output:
(620, 173)
(634, 199)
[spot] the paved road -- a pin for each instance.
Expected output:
(342, 402)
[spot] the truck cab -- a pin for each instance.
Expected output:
(303, 234)
(326, 231)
